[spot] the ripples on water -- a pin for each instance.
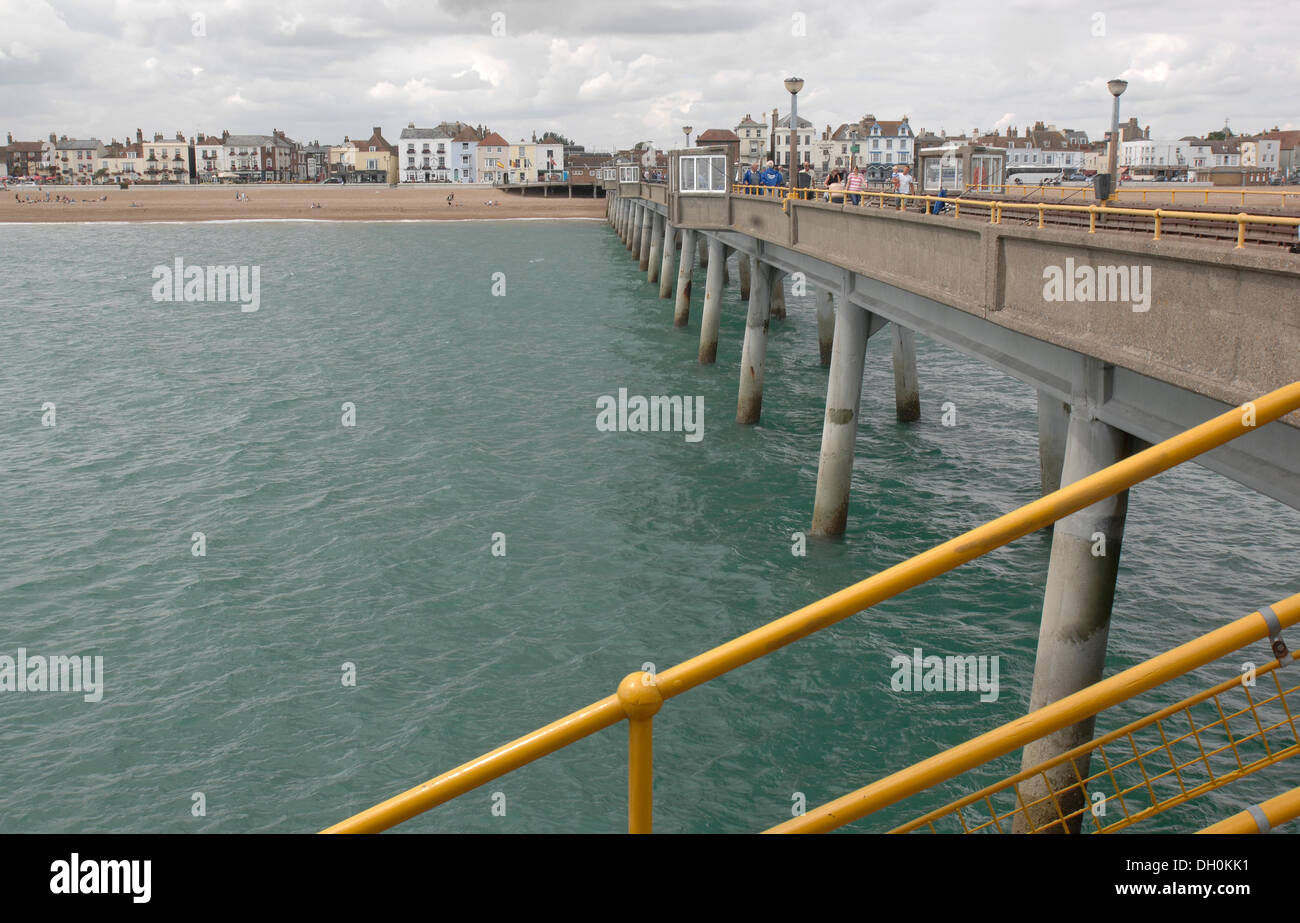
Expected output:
(476, 415)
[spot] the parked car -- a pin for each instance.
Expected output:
(333, 181)
(1077, 177)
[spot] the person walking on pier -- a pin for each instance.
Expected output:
(854, 184)
(804, 180)
(753, 177)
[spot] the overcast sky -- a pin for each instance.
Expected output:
(610, 74)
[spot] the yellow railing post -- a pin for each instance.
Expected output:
(1157, 214)
(1241, 231)
(639, 695)
(1040, 216)
(1092, 219)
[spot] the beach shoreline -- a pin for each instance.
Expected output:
(270, 202)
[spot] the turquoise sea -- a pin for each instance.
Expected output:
(372, 544)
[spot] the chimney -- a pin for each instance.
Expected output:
(11, 138)
(52, 138)
(139, 136)
(377, 130)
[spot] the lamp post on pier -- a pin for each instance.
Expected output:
(686, 130)
(1116, 87)
(794, 85)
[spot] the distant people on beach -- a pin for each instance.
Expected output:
(450, 197)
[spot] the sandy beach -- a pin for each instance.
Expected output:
(360, 202)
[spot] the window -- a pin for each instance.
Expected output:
(702, 173)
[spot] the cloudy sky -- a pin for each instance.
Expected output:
(609, 74)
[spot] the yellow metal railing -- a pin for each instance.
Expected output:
(640, 695)
(996, 208)
(1195, 195)
(1145, 761)
(1276, 811)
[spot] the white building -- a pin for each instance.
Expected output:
(210, 158)
(418, 156)
(805, 134)
(753, 139)
(1262, 152)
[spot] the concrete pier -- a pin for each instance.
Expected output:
(1053, 426)
(643, 246)
(656, 248)
(742, 265)
(825, 324)
(753, 356)
(624, 216)
(778, 296)
(713, 285)
(685, 269)
(907, 396)
(666, 268)
(704, 252)
(726, 255)
(840, 429)
(1076, 610)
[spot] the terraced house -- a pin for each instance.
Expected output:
(74, 158)
(492, 158)
(166, 161)
(419, 157)
(23, 158)
(260, 158)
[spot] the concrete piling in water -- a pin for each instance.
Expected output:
(907, 395)
(666, 268)
(1076, 616)
(625, 208)
(656, 249)
(634, 241)
(685, 269)
(713, 285)
(825, 324)
(1053, 428)
(778, 295)
(726, 256)
(704, 252)
(753, 355)
(840, 428)
(742, 264)
(643, 245)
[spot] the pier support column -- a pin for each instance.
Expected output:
(704, 252)
(907, 396)
(656, 249)
(713, 285)
(778, 296)
(647, 229)
(726, 255)
(1076, 615)
(753, 355)
(634, 243)
(840, 429)
(666, 268)
(624, 205)
(825, 324)
(742, 264)
(682, 309)
(1053, 425)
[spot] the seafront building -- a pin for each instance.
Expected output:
(75, 158)
(166, 160)
(464, 156)
(753, 139)
(418, 154)
(492, 158)
(23, 158)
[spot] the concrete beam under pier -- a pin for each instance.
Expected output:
(1053, 427)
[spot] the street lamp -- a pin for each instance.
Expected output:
(686, 130)
(793, 85)
(1116, 87)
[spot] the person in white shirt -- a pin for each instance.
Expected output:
(903, 180)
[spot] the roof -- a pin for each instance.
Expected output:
(492, 139)
(74, 144)
(748, 122)
(248, 140)
(466, 135)
(1286, 139)
(410, 132)
(717, 134)
(26, 147)
(785, 122)
(549, 138)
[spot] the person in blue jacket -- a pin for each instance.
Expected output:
(772, 178)
(752, 177)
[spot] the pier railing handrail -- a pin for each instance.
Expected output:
(1060, 714)
(640, 695)
(1087, 189)
(996, 207)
